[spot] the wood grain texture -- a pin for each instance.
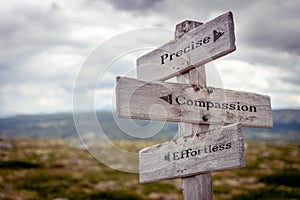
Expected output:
(192, 49)
(198, 187)
(211, 151)
(190, 103)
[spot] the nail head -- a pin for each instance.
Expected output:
(205, 118)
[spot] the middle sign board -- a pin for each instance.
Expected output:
(186, 103)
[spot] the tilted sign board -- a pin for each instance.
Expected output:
(196, 47)
(211, 151)
(185, 103)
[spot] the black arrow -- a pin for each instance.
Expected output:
(217, 35)
(167, 157)
(167, 98)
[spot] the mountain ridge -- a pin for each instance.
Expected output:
(61, 125)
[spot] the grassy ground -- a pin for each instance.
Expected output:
(50, 169)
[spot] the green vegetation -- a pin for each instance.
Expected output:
(158, 187)
(49, 169)
(108, 195)
(287, 177)
(16, 164)
(276, 193)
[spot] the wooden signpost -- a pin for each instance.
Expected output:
(198, 151)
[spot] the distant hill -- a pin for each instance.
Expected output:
(286, 127)
(63, 126)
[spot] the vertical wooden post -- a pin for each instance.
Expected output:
(196, 187)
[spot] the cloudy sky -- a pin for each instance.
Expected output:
(44, 46)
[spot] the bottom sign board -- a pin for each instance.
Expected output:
(215, 150)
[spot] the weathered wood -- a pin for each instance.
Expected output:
(211, 151)
(192, 49)
(185, 26)
(198, 187)
(190, 103)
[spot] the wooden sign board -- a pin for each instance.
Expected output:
(196, 47)
(211, 151)
(185, 103)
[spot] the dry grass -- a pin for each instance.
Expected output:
(49, 169)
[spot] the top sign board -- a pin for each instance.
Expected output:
(197, 47)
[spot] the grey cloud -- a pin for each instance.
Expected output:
(262, 24)
(27, 32)
(134, 5)
(272, 25)
(27, 29)
(287, 64)
(175, 11)
(293, 79)
(266, 56)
